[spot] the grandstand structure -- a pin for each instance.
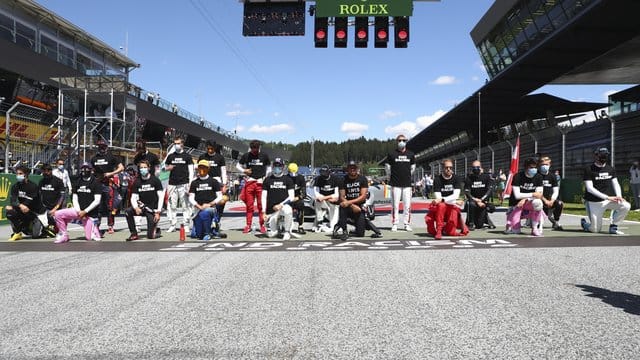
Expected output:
(61, 89)
(524, 45)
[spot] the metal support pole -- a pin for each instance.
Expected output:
(493, 158)
(535, 143)
(479, 125)
(84, 130)
(613, 142)
(111, 118)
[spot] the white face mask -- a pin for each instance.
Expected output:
(402, 144)
(178, 147)
(61, 167)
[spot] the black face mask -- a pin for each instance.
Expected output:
(85, 173)
(476, 171)
(603, 158)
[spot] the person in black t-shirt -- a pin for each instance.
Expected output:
(478, 188)
(277, 195)
(444, 215)
(180, 164)
(602, 192)
(353, 194)
(106, 166)
(52, 193)
(300, 192)
(147, 196)
(255, 166)
(551, 189)
(327, 196)
(24, 204)
(217, 170)
(400, 165)
(526, 195)
(86, 196)
(205, 192)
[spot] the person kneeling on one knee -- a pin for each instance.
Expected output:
(205, 192)
(526, 195)
(277, 195)
(25, 204)
(146, 200)
(444, 215)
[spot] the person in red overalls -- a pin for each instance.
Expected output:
(255, 166)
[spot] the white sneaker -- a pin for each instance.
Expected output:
(316, 229)
(295, 235)
(187, 230)
(95, 237)
(272, 234)
(407, 227)
(171, 228)
(286, 236)
(326, 229)
(394, 228)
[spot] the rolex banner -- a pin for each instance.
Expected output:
(346, 8)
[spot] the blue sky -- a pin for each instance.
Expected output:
(283, 88)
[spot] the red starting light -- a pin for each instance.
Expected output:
(362, 34)
(403, 34)
(382, 34)
(341, 34)
(320, 34)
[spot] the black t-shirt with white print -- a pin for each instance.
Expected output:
(526, 184)
(204, 190)
(446, 186)
(216, 162)
(86, 190)
(257, 163)
(277, 188)
(147, 190)
(352, 186)
(401, 167)
(478, 185)
(51, 191)
(180, 173)
(602, 178)
(326, 186)
(549, 181)
(104, 163)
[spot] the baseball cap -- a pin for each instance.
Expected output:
(278, 162)
(203, 163)
(601, 150)
(86, 165)
(293, 167)
(352, 163)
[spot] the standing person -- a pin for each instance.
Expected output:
(61, 173)
(147, 196)
(205, 192)
(526, 195)
(180, 165)
(428, 185)
(24, 204)
(400, 165)
(327, 196)
(501, 179)
(634, 182)
(142, 153)
(551, 190)
(86, 198)
(478, 187)
(217, 170)
(353, 194)
(106, 166)
(276, 197)
(299, 193)
(444, 216)
(255, 166)
(602, 192)
(52, 193)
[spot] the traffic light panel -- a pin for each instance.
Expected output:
(361, 32)
(321, 32)
(381, 32)
(401, 29)
(341, 25)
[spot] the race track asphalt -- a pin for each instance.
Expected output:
(570, 295)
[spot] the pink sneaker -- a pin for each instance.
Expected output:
(536, 232)
(61, 238)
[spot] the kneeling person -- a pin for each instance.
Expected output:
(24, 203)
(146, 200)
(444, 215)
(353, 194)
(277, 195)
(52, 193)
(205, 193)
(551, 189)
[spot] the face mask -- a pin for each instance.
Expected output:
(85, 173)
(102, 150)
(47, 175)
(531, 172)
(60, 167)
(277, 171)
(475, 170)
(602, 159)
(544, 169)
(402, 144)
(254, 151)
(293, 174)
(178, 147)
(20, 178)
(144, 171)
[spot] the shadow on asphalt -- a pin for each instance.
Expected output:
(630, 303)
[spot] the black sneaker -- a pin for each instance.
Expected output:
(344, 236)
(133, 237)
(301, 230)
(376, 235)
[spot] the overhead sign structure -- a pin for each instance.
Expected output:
(335, 8)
